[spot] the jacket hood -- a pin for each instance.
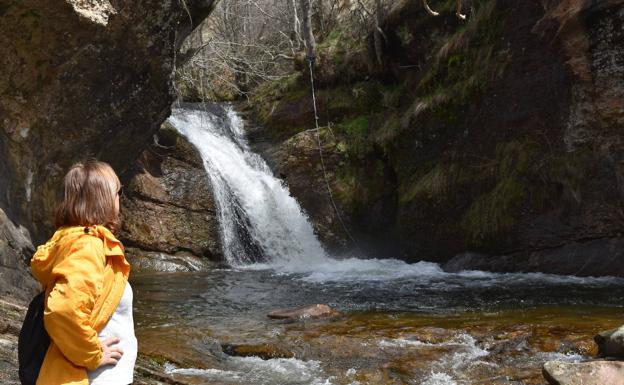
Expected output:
(55, 249)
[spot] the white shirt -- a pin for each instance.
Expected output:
(121, 325)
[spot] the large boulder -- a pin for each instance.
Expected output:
(79, 79)
(584, 373)
(169, 210)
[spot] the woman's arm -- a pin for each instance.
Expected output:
(78, 281)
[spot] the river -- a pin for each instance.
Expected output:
(399, 323)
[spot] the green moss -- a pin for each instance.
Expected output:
(497, 210)
(266, 97)
(467, 60)
(357, 126)
(351, 99)
(356, 133)
(437, 182)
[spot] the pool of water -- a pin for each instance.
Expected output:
(399, 323)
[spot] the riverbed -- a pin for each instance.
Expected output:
(399, 324)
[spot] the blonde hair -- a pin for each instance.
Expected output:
(90, 190)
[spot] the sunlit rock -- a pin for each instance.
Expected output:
(584, 373)
(264, 351)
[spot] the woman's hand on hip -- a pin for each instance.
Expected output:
(111, 354)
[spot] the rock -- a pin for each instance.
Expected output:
(435, 180)
(311, 311)
(79, 79)
(152, 261)
(611, 343)
(169, 209)
(12, 312)
(16, 249)
(264, 351)
(575, 258)
(584, 373)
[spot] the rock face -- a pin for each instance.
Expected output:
(79, 79)
(503, 138)
(592, 258)
(611, 343)
(15, 281)
(169, 208)
(585, 373)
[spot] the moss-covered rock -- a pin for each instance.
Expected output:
(466, 134)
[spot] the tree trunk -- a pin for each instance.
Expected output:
(308, 36)
(378, 35)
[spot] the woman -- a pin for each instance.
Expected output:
(88, 309)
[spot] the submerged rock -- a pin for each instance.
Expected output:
(311, 311)
(264, 351)
(584, 373)
(611, 343)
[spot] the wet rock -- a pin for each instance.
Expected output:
(575, 258)
(169, 215)
(297, 162)
(611, 343)
(584, 373)
(264, 351)
(311, 311)
(510, 344)
(157, 261)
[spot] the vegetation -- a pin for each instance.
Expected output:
(396, 102)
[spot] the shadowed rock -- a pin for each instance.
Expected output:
(611, 343)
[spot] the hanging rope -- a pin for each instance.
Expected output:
(322, 157)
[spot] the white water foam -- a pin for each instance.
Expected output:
(447, 369)
(436, 378)
(465, 354)
(253, 370)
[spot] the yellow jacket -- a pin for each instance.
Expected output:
(84, 272)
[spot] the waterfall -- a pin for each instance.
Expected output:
(259, 220)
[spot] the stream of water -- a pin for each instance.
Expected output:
(400, 323)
